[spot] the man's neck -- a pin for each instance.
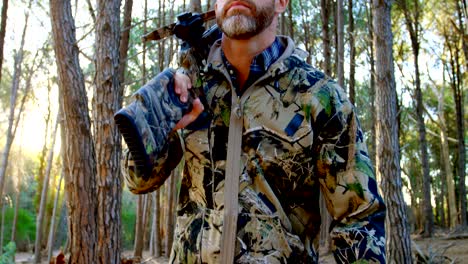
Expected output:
(240, 53)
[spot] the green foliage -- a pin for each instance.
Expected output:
(8, 256)
(5, 89)
(25, 226)
(128, 219)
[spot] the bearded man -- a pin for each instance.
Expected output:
(268, 135)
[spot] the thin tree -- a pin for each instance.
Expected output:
(12, 121)
(169, 212)
(290, 19)
(352, 53)
(139, 227)
(107, 100)
(459, 97)
(371, 55)
(78, 154)
(50, 241)
(398, 244)
(195, 6)
(325, 12)
(3, 32)
(340, 42)
(155, 230)
(42, 204)
(445, 154)
(43, 155)
(412, 15)
(124, 41)
(17, 200)
(2, 222)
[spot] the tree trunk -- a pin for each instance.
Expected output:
(17, 204)
(195, 6)
(50, 241)
(43, 156)
(398, 244)
(3, 32)
(146, 221)
(445, 159)
(372, 83)
(107, 100)
(306, 28)
(173, 204)
(340, 42)
(459, 99)
(78, 155)
(325, 12)
(412, 26)
(291, 21)
(161, 44)
(11, 130)
(124, 41)
(2, 223)
(140, 227)
(169, 213)
(156, 225)
(352, 53)
(43, 203)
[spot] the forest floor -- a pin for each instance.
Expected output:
(442, 248)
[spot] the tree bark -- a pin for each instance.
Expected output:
(107, 100)
(398, 244)
(78, 155)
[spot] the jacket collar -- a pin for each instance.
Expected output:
(215, 61)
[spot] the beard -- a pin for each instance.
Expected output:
(239, 25)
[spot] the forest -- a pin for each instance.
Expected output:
(67, 66)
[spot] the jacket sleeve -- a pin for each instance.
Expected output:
(154, 113)
(347, 178)
(168, 159)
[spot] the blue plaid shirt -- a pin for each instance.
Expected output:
(259, 66)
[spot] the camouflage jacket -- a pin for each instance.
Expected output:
(300, 137)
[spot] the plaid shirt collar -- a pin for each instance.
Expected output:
(259, 66)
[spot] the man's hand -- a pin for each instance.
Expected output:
(182, 84)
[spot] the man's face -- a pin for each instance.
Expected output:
(243, 19)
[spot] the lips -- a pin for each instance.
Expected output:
(239, 5)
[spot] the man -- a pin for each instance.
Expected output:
(297, 135)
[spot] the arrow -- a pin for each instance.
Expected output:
(166, 31)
